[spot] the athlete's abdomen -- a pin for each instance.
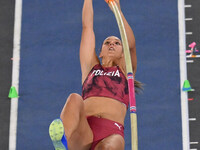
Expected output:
(105, 108)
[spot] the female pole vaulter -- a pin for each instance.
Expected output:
(95, 120)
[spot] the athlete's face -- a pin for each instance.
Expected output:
(112, 48)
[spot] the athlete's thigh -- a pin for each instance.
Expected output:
(82, 138)
(77, 129)
(113, 142)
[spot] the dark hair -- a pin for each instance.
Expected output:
(138, 87)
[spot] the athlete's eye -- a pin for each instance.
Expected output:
(107, 42)
(117, 43)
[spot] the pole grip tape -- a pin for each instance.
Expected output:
(131, 89)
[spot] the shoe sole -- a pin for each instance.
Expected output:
(56, 132)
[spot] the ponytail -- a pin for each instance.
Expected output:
(138, 86)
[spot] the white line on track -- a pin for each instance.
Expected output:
(194, 142)
(15, 75)
(192, 119)
(183, 76)
(188, 19)
(190, 61)
(188, 6)
(188, 33)
(193, 56)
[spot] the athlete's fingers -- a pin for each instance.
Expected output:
(109, 3)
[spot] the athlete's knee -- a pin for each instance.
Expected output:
(75, 100)
(74, 96)
(74, 103)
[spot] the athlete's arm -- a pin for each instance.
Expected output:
(88, 57)
(131, 39)
(131, 42)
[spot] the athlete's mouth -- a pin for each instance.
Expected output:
(111, 48)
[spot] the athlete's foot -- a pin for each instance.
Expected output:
(57, 135)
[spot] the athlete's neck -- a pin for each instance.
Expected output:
(117, 62)
(108, 63)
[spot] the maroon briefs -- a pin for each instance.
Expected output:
(103, 128)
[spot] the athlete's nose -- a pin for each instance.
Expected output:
(112, 43)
